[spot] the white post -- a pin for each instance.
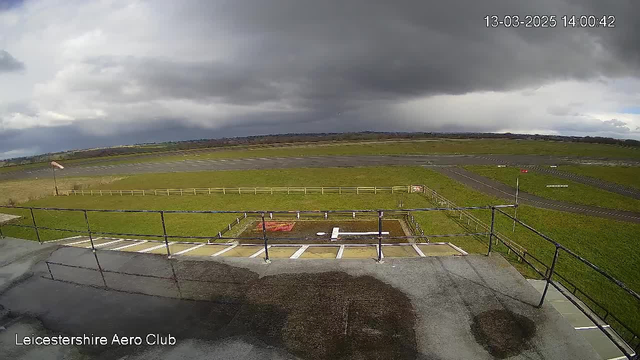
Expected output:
(515, 211)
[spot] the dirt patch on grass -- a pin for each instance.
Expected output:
(502, 332)
(305, 231)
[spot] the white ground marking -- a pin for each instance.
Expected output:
(77, 242)
(68, 238)
(458, 249)
(130, 245)
(259, 252)
(339, 256)
(334, 234)
(224, 250)
(109, 243)
(417, 249)
(155, 247)
(299, 252)
(591, 327)
(189, 249)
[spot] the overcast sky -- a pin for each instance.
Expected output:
(79, 74)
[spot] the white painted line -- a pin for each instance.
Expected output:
(130, 245)
(77, 242)
(621, 357)
(362, 233)
(334, 234)
(189, 249)
(339, 256)
(417, 249)
(155, 247)
(68, 238)
(458, 249)
(259, 252)
(590, 327)
(109, 243)
(299, 252)
(224, 250)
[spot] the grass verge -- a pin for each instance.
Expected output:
(577, 193)
(623, 175)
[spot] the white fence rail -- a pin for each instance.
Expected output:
(249, 190)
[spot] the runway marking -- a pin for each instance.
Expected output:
(299, 252)
(417, 249)
(130, 245)
(224, 250)
(109, 243)
(189, 249)
(155, 247)
(77, 242)
(259, 252)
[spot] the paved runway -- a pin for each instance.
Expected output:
(498, 189)
(291, 162)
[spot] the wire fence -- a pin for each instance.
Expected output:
(598, 313)
(306, 190)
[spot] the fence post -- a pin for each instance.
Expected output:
(493, 218)
(1, 236)
(86, 220)
(550, 276)
(380, 214)
(49, 268)
(33, 219)
(264, 236)
(120, 193)
(224, 191)
(164, 232)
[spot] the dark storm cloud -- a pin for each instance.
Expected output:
(341, 65)
(330, 56)
(8, 63)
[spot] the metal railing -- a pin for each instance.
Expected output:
(623, 331)
(633, 340)
(247, 190)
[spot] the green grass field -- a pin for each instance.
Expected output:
(536, 184)
(623, 175)
(612, 245)
(389, 147)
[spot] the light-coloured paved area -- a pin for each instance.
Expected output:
(585, 327)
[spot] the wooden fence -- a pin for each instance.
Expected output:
(248, 190)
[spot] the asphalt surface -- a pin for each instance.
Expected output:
(295, 162)
(425, 308)
(500, 190)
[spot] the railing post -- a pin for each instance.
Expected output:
(49, 268)
(1, 235)
(493, 218)
(33, 219)
(264, 236)
(86, 220)
(380, 214)
(550, 277)
(164, 232)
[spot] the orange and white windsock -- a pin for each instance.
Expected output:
(55, 164)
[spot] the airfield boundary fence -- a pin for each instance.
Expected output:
(547, 271)
(248, 190)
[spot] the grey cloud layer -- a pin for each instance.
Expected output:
(8, 63)
(344, 64)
